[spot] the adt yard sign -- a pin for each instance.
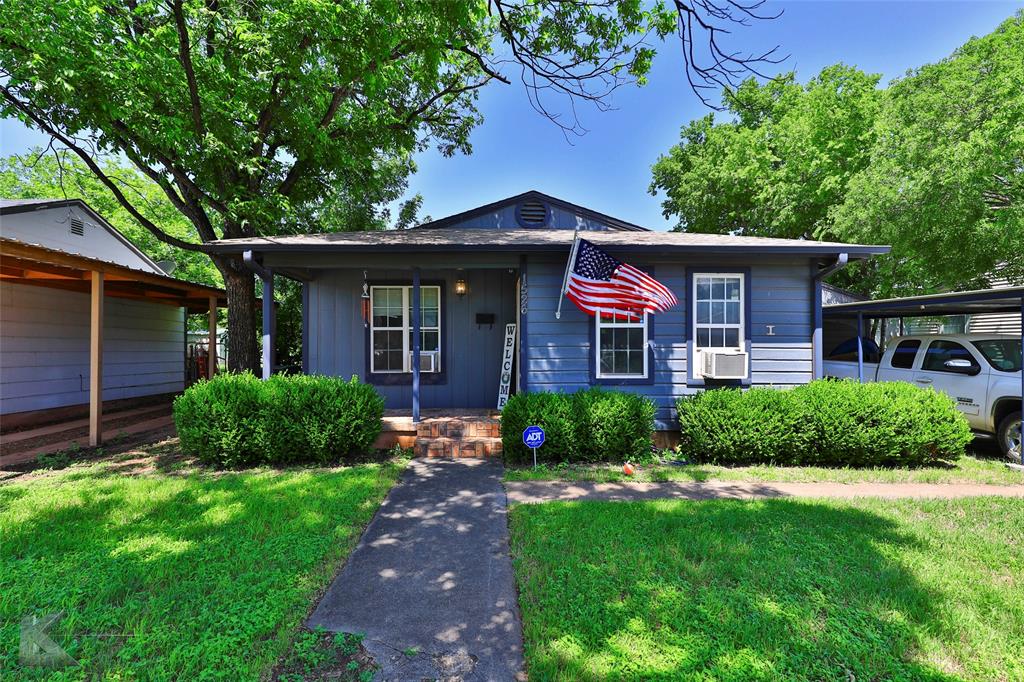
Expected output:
(533, 437)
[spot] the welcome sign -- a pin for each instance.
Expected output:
(507, 359)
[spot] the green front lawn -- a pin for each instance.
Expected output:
(772, 590)
(967, 469)
(175, 575)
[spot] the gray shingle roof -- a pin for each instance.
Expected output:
(525, 240)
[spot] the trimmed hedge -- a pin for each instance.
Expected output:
(825, 423)
(238, 420)
(591, 425)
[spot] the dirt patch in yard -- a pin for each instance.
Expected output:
(318, 655)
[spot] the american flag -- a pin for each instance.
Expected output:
(598, 282)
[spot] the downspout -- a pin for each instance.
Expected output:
(269, 323)
(816, 337)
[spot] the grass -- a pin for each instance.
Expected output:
(968, 469)
(175, 573)
(772, 590)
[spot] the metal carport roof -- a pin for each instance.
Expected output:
(1009, 300)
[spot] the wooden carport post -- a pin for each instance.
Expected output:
(212, 343)
(96, 360)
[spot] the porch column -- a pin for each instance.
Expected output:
(269, 326)
(212, 343)
(860, 347)
(305, 327)
(416, 344)
(96, 360)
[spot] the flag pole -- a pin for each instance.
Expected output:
(568, 268)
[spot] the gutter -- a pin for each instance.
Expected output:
(841, 262)
(817, 337)
(250, 262)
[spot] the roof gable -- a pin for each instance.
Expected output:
(71, 226)
(532, 210)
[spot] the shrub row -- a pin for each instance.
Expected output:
(587, 426)
(823, 423)
(239, 420)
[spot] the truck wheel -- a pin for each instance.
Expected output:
(1009, 436)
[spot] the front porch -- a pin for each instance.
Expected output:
(428, 338)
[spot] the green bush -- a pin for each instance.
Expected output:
(825, 423)
(590, 425)
(238, 420)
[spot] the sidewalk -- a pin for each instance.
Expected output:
(532, 492)
(430, 583)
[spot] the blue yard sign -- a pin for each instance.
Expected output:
(533, 437)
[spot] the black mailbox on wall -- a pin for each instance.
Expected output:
(485, 318)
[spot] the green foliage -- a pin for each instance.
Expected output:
(551, 411)
(795, 590)
(182, 576)
(587, 426)
(830, 423)
(931, 165)
(238, 420)
(58, 175)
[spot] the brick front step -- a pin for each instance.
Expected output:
(459, 427)
(458, 447)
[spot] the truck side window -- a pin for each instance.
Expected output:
(940, 351)
(903, 356)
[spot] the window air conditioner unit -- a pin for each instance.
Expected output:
(428, 361)
(723, 364)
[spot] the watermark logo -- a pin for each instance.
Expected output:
(36, 648)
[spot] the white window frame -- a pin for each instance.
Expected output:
(611, 323)
(741, 325)
(406, 329)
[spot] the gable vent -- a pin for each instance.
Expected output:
(77, 227)
(533, 213)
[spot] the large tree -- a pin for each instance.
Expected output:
(246, 112)
(933, 165)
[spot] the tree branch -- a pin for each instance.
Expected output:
(68, 142)
(185, 55)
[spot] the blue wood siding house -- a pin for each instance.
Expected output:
(455, 283)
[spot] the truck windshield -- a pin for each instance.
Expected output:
(1003, 354)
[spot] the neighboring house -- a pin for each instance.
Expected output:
(994, 323)
(503, 263)
(50, 251)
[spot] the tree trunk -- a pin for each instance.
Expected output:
(239, 283)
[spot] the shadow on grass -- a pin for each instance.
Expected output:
(772, 590)
(176, 577)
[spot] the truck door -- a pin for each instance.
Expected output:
(949, 367)
(899, 365)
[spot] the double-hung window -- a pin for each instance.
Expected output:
(391, 329)
(718, 310)
(622, 347)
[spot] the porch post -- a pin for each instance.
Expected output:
(212, 342)
(860, 347)
(269, 324)
(96, 360)
(305, 327)
(416, 344)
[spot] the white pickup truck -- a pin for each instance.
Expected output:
(981, 372)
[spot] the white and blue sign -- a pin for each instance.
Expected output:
(533, 436)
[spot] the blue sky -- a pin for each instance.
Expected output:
(608, 169)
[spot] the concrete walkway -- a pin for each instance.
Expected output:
(432, 572)
(527, 492)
